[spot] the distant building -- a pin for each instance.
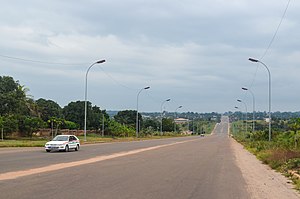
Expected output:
(181, 120)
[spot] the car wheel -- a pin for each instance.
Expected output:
(67, 149)
(47, 150)
(77, 147)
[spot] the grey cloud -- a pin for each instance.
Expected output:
(193, 51)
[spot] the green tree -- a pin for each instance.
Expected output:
(28, 104)
(74, 112)
(10, 124)
(1, 126)
(117, 129)
(32, 107)
(1, 121)
(32, 124)
(168, 124)
(55, 123)
(95, 118)
(70, 125)
(294, 124)
(128, 117)
(153, 124)
(12, 97)
(104, 119)
(48, 109)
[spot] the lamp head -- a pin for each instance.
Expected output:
(100, 62)
(147, 87)
(253, 60)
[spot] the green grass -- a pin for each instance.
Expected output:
(297, 183)
(91, 138)
(98, 139)
(22, 143)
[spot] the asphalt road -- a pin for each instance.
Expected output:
(190, 167)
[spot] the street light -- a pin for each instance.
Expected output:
(238, 116)
(246, 111)
(270, 121)
(188, 121)
(137, 111)
(176, 117)
(253, 103)
(237, 109)
(161, 116)
(85, 94)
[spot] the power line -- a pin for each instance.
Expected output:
(117, 82)
(71, 64)
(275, 34)
(271, 41)
(40, 62)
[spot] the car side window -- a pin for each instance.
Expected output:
(72, 138)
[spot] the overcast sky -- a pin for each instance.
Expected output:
(192, 51)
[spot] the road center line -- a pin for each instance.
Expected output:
(17, 174)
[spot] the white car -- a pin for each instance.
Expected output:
(63, 143)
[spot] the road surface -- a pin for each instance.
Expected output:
(189, 167)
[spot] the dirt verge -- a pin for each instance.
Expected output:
(261, 180)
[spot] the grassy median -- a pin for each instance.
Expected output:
(91, 139)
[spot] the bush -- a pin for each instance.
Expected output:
(292, 164)
(147, 132)
(119, 130)
(277, 158)
(260, 136)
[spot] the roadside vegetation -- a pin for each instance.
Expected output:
(25, 121)
(282, 153)
(91, 139)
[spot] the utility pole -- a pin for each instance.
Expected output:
(102, 125)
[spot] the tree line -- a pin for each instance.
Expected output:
(21, 114)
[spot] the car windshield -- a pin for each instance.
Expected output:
(61, 138)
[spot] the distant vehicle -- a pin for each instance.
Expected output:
(63, 143)
(202, 134)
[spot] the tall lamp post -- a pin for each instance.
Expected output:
(270, 121)
(188, 121)
(161, 116)
(246, 111)
(236, 107)
(253, 103)
(85, 94)
(176, 117)
(137, 111)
